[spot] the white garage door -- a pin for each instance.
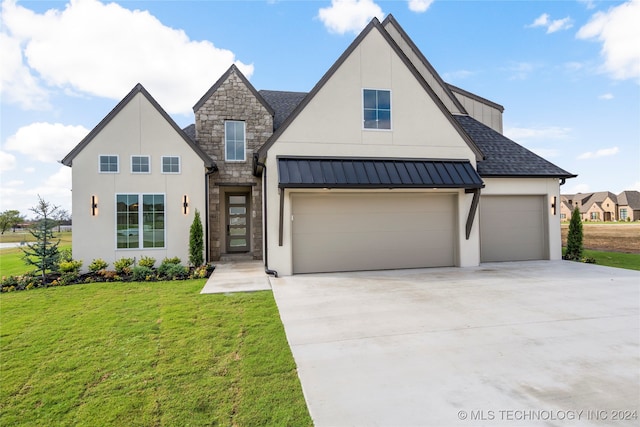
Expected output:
(372, 231)
(512, 228)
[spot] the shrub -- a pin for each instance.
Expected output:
(196, 241)
(68, 278)
(147, 261)
(70, 266)
(123, 265)
(174, 260)
(177, 271)
(19, 283)
(574, 238)
(142, 273)
(109, 275)
(200, 272)
(65, 255)
(97, 265)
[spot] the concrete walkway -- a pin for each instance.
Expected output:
(237, 276)
(540, 343)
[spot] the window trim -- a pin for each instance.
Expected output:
(390, 109)
(244, 142)
(141, 156)
(169, 157)
(117, 156)
(140, 197)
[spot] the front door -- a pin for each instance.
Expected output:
(237, 222)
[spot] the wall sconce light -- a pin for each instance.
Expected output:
(553, 205)
(185, 204)
(94, 205)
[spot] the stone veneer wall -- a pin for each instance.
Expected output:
(233, 100)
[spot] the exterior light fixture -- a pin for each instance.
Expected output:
(553, 205)
(185, 204)
(94, 205)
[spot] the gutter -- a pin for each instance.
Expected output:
(257, 163)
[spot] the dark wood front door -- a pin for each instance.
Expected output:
(237, 222)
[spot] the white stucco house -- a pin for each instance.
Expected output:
(381, 165)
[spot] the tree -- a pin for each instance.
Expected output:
(61, 215)
(196, 241)
(43, 254)
(9, 219)
(574, 238)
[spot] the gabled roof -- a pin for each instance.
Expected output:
(416, 53)
(373, 25)
(506, 158)
(222, 79)
(629, 198)
(68, 159)
(480, 99)
(283, 104)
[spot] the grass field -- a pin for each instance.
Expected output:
(11, 263)
(138, 354)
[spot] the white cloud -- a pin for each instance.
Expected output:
(551, 25)
(589, 4)
(458, 75)
(46, 142)
(635, 186)
(30, 169)
(345, 16)
(552, 132)
(578, 188)
(7, 161)
(78, 50)
(606, 96)
(599, 153)
(619, 32)
(521, 70)
(419, 6)
(60, 180)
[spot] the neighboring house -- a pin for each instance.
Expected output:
(602, 206)
(381, 165)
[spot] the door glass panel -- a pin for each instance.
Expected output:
(237, 210)
(235, 231)
(238, 221)
(237, 200)
(235, 243)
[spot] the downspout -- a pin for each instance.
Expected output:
(257, 163)
(210, 171)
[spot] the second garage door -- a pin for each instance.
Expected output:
(372, 231)
(512, 228)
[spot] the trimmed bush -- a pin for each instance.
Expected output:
(123, 265)
(574, 237)
(97, 265)
(142, 273)
(146, 261)
(177, 271)
(174, 260)
(196, 241)
(70, 266)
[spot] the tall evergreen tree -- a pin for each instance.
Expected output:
(43, 254)
(196, 241)
(574, 238)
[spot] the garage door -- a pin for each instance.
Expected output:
(512, 228)
(373, 231)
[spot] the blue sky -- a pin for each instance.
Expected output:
(567, 72)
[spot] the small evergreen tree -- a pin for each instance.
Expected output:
(43, 254)
(196, 241)
(574, 238)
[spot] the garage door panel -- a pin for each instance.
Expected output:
(344, 232)
(512, 228)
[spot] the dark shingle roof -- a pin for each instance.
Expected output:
(282, 103)
(504, 157)
(190, 131)
(629, 198)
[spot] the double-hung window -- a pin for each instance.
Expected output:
(234, 141)
(140, 164)
(140, 226)
(376, 109)
(170, 164)
(108, 163)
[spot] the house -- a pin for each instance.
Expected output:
(381, 165)
(602, 206)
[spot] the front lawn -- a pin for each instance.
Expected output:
(614, 259)
(145, 354)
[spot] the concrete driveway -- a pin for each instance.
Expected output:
(551, 343)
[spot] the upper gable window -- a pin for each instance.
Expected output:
(108, 164)
(170, 164)
(140, 164)
(234, 141)
(376, 108)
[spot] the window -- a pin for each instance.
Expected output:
(170, 164)
(234, 141)
(623, 214)
(563, 216)
(140, 164)
(129, 216)
(594, 216)
(377, 108)
(108, 164)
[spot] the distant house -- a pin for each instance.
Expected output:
(602, 206)
(381, 165)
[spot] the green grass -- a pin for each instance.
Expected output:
(140, 354)
(11, 263)
(25, 236)
(615, 259)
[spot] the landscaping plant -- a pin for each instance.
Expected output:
(43, 254)
(574, 238)
(196, 241)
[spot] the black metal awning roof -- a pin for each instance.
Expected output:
(349, 172)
